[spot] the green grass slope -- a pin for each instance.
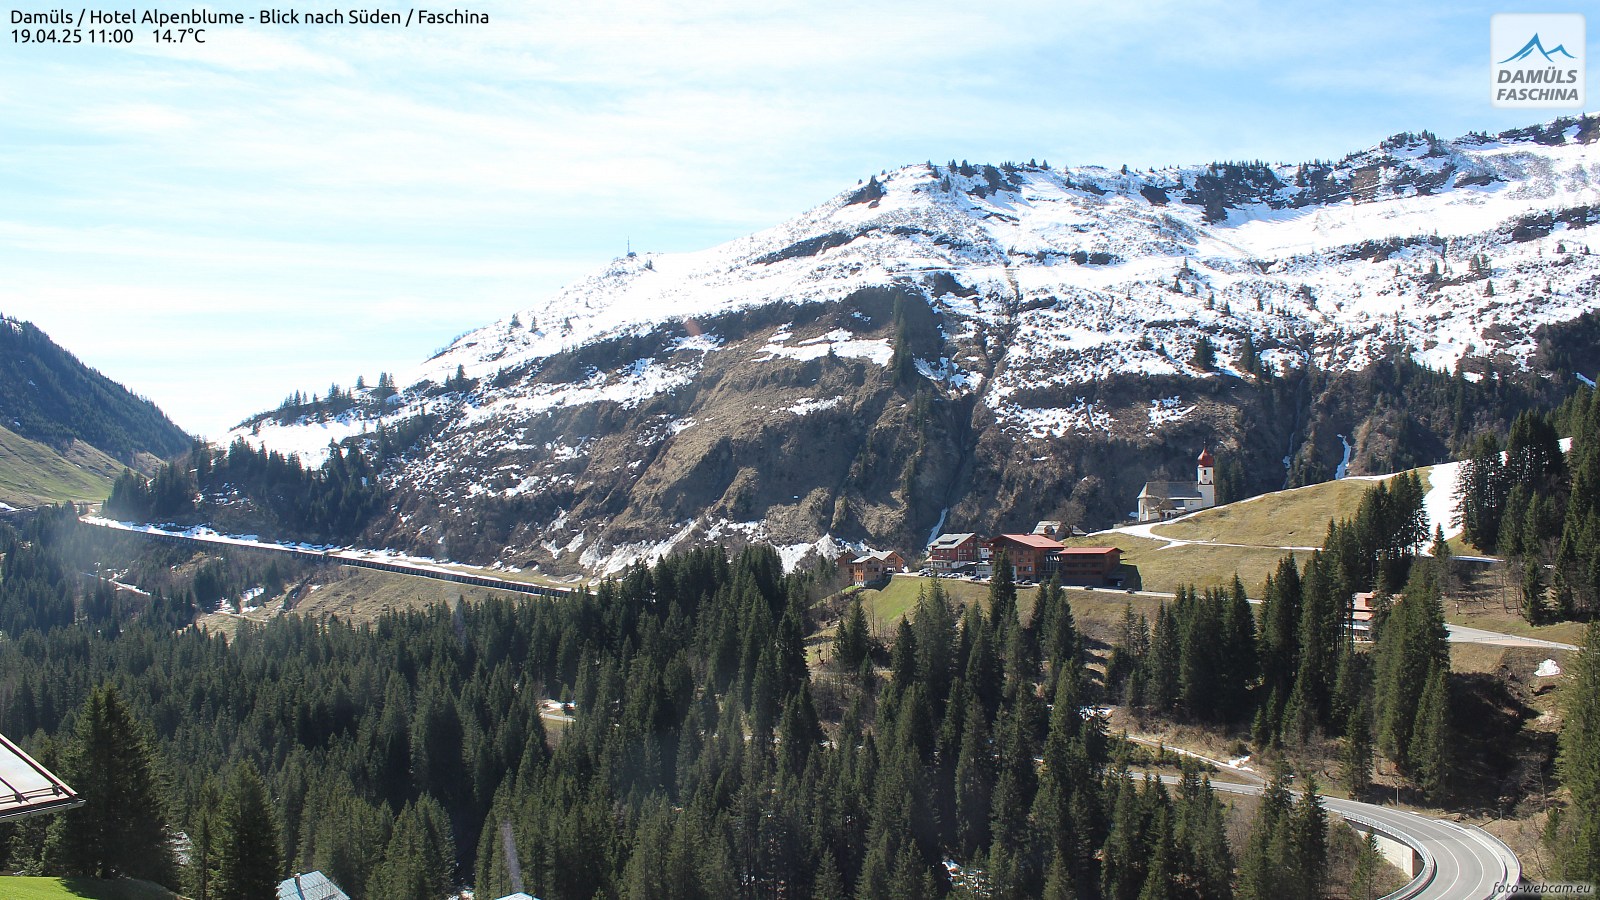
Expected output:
(32, 473)
(1160, 566)
(1261, 527)
(1293, 518)
(16, 887)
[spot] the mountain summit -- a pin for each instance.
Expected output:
(983, 346)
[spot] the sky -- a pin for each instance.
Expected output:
(286, 207)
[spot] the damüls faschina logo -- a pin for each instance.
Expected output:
(1537, 60)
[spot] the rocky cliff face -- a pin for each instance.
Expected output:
(986, 346)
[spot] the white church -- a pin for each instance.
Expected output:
(1164, 499)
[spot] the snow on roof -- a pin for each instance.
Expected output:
(944, 541)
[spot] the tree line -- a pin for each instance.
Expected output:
(1293, 672)
(284, 498)
(1539, 508)
(703, 758)
(54, 398)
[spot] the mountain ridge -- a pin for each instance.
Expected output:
(989, 343)
(69, 429)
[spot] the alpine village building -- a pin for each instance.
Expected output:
(1165, 499)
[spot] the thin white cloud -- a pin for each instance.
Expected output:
(434, 178)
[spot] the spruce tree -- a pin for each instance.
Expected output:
(1431, 740)
(974, 788)
(1308, 861)
(851, 643)
(1532, 590)
(1279, 646)
(1002, 595)
(1263, 872)
(1356, 766)
(1575, 834)
(1161, 688)
(121, 829)
(248, 864)
(1364, 883)
(205, 838)
(1411, 646)
(1238, 653)
(1158, 882)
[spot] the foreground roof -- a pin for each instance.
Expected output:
(27, 788)
(310, 886)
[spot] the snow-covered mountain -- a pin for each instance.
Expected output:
(976, 342)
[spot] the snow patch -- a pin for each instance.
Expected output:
(1166, 410)
(938, 527)
(838, 342)
(1082, 415)
(628, 387)
(1440, 500)
(827, 548)
(307, 439)
(809, 406)
(705, 343)
(946, 372)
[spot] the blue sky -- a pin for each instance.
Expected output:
(287, 207)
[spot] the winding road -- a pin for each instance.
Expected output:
(1449, 861)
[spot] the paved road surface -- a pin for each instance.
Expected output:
(1466, 861)
(1462, 634)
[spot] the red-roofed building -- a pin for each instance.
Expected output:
(1088, 565)
(872, 568)
(950, 552)
(1031, 555)
(1363, 608)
